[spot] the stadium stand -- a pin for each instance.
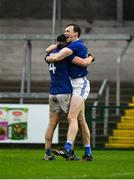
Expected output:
(13, 51)
(123, 135)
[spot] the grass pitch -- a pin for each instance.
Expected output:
(28, 164)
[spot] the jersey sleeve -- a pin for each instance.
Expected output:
(73, 46)
(71, 57)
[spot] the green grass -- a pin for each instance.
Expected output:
(27, 164)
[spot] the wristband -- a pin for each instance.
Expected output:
(45, 58)
(92, 57)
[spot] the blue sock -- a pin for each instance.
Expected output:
(68, 146)
(48, 151)
(87, 150)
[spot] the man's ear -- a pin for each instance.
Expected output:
(76, 34)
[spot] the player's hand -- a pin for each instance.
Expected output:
(49, 58)
(93, 57)
(45, 58)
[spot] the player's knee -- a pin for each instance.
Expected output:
(71, 118)
(52, 125)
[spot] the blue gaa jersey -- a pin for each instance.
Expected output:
(60, 81)
(79, 49)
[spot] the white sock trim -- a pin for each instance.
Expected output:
(87, 145)
(69, 141)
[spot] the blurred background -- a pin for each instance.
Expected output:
(27, 28)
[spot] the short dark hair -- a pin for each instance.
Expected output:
(76, 28)
(61, 38)
(61, 41)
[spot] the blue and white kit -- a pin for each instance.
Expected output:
(60, 85)
(80, 84)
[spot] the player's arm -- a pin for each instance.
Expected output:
(51, 48)
(63, 53)
(48, 50)
(83, 62)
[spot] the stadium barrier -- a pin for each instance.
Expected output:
(115, 131)
(104, 89)
(19, 122)
(26, 68)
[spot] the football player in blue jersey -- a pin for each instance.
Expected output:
(60, 93)
(81, 89)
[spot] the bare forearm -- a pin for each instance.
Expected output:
(51, 48)
(82, 62)
(51, 58)
(59, 56)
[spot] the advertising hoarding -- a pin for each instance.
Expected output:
(24, 123)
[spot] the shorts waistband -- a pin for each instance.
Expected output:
(84, 77)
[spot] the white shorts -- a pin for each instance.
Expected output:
(59, 102)
(81, 87)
